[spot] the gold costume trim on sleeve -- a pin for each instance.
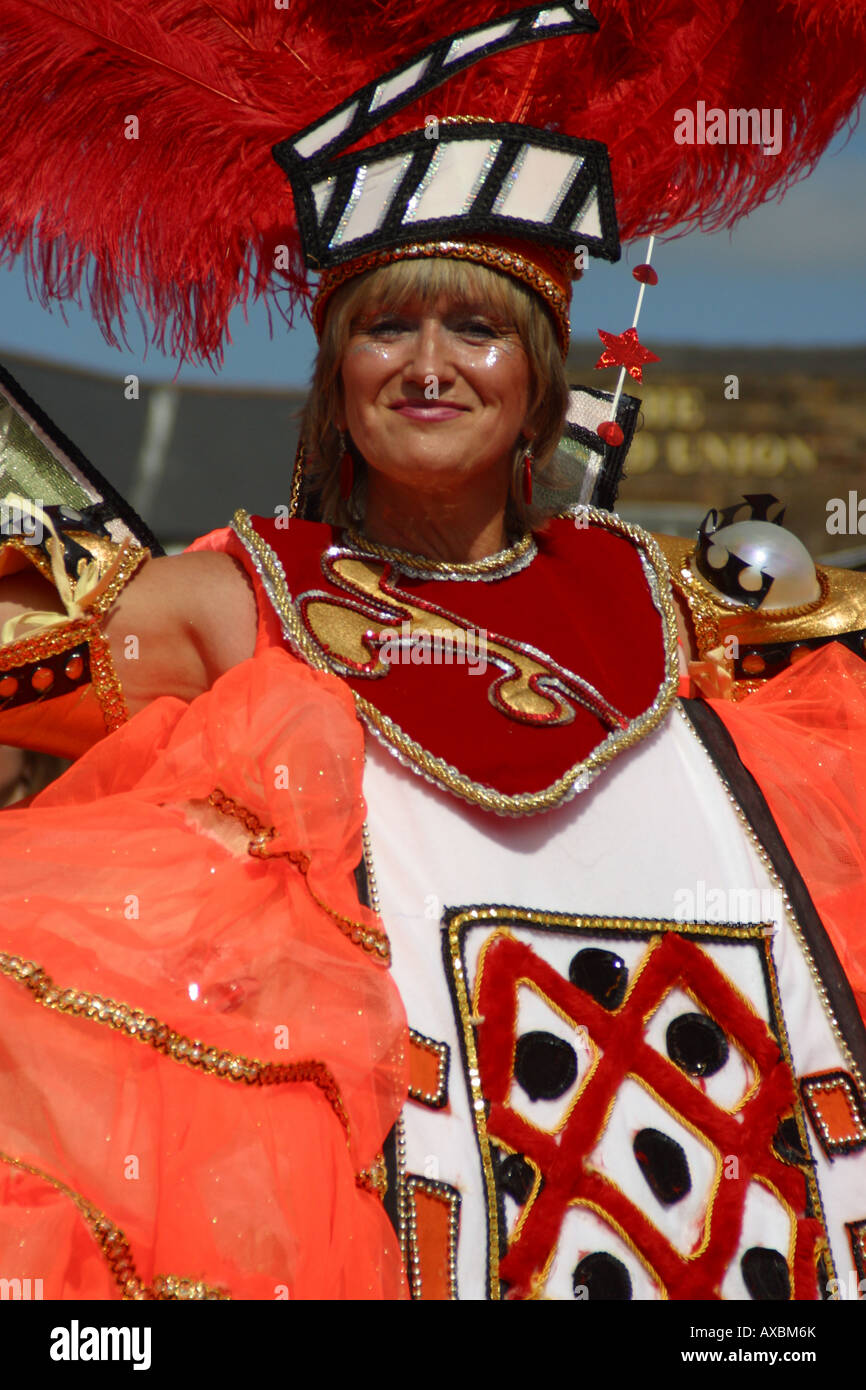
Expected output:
(437, 770)
(145, 1029)
(375, 1178)
(371, 939)
(115, 1248)
(838, 611)
(65, 633)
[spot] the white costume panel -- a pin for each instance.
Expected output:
(657, 837)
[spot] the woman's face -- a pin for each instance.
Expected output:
(435, 395)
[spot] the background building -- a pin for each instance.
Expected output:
(716, 423)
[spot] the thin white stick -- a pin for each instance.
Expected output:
(649, 254)
(621, 382)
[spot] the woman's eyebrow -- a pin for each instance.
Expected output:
(415, 310)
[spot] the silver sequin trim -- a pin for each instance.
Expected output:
(565, 186)
(556, 16)
(322, 193)
(433, 169)
(510, 178)
(355, 194)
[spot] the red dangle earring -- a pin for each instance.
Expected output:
(347, 470)
(527, 474)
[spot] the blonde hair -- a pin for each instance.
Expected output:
(389, 288)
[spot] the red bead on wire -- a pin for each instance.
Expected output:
(645, 275)
(610, 432)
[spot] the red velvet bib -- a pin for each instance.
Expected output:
(510, 683)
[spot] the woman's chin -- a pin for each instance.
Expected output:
(430, 471)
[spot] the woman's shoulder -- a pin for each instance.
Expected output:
(259, 555)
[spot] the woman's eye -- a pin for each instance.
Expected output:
(478, 328)
(384, 327)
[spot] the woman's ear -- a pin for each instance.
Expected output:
(529, 428)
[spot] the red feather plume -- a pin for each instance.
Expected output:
(183, 213)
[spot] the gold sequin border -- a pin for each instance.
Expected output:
(116, 1250)
(375, 1178)
(143, 1028)
(437, 770)
(494, 257)
(374, 940)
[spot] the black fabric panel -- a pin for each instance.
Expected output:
(723, 751)
(389, 1153)
(362, 884)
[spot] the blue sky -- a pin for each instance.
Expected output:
(793, 273)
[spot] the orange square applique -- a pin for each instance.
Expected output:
(836, 1111)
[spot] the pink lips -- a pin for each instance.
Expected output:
(435, 410)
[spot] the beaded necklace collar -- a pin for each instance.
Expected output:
(503, 562)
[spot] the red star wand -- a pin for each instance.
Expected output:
(626, 351)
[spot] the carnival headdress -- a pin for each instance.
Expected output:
(137, 134)
(497, 192)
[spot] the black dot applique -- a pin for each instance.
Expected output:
(697, 1044)
(765, 1275)
(601, 1276)
(516, 1177)
(787, 1143)
(544, 1065)
(600, 974)
(664, 1165)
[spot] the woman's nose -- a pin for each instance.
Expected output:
(431, 355)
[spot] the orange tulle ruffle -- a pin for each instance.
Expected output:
(803, 738)
(123, 883)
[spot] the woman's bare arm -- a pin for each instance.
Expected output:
(181, 622)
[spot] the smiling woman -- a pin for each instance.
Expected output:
(431, 341)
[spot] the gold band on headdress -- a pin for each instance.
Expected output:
(547, 270)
